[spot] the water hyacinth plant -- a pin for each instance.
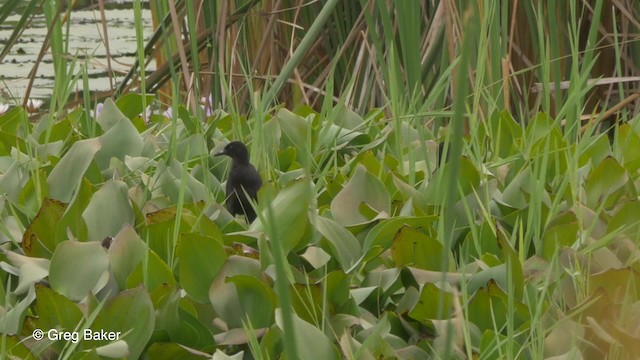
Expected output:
(431, 187)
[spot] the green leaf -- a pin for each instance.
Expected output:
(505, 133)
(468, 179)
(494, 343)
(68, 173)
(12, 180)
(363, 187)
(16, 349)
(221, 355)
(626, 219)
(596, 151)
(295, 128)
(257, 301)
(55, 311)
(72, 219)
(428, 303)
(168, 179)
(9, 130)
(182, 326)
(412, 247)
(603, 181)
(201, 258)
(125, 253)
(116, 316)
(161, 225)
(108, 211)
(539, 127)
(488, 308)
(188, 120)
(157, 273)
(85, 355)
(192, 147)
(383, 233)
(290, 209)
(37, 240)
(310, 341)
(223, 295)
(131, 104)
(374, 340)
(630, 147)
(515, 194)
(76, 268)
(120, 138)
(11, 321)
(561, 232)
(339, 241)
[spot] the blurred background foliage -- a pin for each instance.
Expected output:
(527, 55)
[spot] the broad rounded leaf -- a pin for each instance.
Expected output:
(383, 233)
(181, 325)
(55, 310)
(76, 268)
(412, 247)
(108, 211)
(120, 138)
(38, 239)
(131, 104)
(224, 296)
(257, 301)
(157, 271)
(429, 307)
(295, 128)
(489, 308)
(67, 174)
(365, 188)
(630, 144)
(625, 219)
(130, 313)
(201, 258)
(341, 242)
(563, 231)
(125, 252)
(311, 342)
(606, 178)
(290, 209)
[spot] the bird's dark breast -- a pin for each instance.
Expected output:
(241, 180)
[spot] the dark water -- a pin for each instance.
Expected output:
(85, 44)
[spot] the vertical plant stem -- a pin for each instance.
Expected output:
(186, 76)
(455, 151)
(137, 15)
(300, 52)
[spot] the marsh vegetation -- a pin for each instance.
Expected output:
(440, 179)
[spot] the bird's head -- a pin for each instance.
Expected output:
(236, 151)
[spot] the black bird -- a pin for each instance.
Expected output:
(242, 177)
(440, 153)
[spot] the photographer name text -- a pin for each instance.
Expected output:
(76, 336)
